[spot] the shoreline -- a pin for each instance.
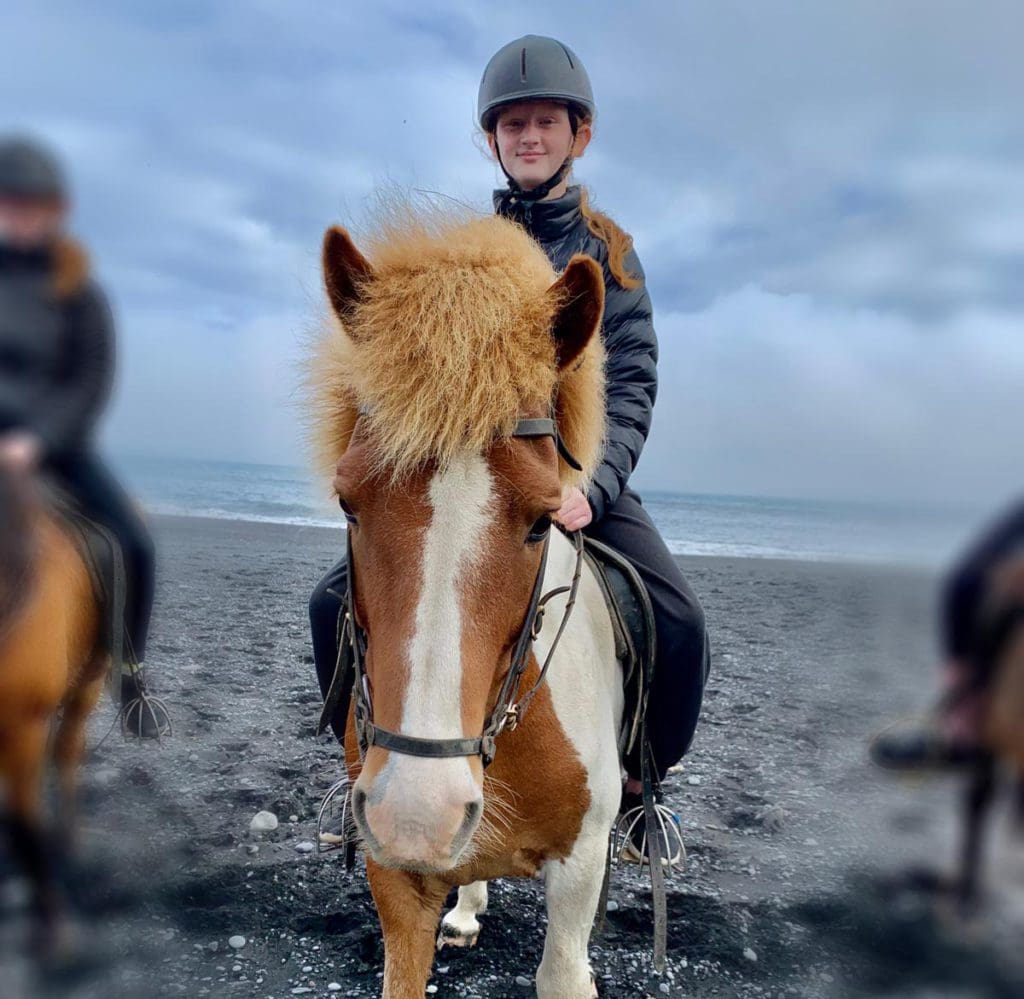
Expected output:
(233, 526)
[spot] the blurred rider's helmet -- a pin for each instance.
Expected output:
(29, 170)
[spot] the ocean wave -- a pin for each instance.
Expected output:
(214, 513)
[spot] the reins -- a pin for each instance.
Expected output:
(511, 705)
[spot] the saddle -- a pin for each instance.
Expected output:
(629, 606)
(101, 552)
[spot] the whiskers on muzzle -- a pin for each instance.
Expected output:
(497, 821)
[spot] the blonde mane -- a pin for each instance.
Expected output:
(448, 345)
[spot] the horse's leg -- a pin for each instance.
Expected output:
(460, 928)
(69, 744)
(976, 808)
(22, 764)
(572, 889)
(409, 906)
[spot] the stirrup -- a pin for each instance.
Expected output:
(146, 706)
(623, 846)
(336, 814)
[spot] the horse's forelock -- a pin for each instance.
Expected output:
(449, 346)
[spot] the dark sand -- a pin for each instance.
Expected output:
(798, 851)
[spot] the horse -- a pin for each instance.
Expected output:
(456, 380)
(1000, 663)
(52, 663)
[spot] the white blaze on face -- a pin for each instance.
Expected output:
(460, 498)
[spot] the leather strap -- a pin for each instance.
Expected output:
(414, 746)
(508, 710)
(547, 427)
(654, 853)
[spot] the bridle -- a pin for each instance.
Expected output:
(510, 705)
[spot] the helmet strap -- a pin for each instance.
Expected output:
(518, 194)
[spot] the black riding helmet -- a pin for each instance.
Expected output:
(29, 170)
(535, 68)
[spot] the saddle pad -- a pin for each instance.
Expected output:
(629, 606)
(101, 553)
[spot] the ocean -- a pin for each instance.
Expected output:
(692, 524)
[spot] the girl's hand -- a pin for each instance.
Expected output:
(574, 513)
(19, 451)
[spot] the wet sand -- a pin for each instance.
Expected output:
(797, 880)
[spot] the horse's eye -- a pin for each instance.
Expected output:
(539, 531)
(347, 510)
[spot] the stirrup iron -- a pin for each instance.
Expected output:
(668, 827)
(336, 813)
(145, 707)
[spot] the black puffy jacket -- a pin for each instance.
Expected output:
(628, 330)
(56, 352)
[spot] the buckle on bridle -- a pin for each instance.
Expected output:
(511, 719)
(538, 624)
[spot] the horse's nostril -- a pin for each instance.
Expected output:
(473, 810)
(359, 803)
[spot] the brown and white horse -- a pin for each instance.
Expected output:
(449, 335)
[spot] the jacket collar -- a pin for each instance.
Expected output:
(546, 221)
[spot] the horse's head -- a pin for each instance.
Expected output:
(442, 344)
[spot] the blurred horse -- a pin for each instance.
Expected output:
(52, 668)
(460, 377)
(1000, 669)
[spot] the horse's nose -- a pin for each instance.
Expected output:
(418, 813)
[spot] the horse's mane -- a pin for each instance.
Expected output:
(448, 345)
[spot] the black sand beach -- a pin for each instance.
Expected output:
(797, 880)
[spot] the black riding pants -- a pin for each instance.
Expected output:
(102, 499)
(683, 657)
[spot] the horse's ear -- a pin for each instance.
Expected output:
(579, 294)
(346, 272)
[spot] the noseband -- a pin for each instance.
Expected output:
(510, 706)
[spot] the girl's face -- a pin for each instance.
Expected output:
(28, 223)
(534, 138)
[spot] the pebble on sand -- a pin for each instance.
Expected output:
(263, 822)
(304, 847)
(523, 981)
(750, 954)
(236, 942)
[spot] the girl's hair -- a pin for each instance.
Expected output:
(618, 241)
(71, 267)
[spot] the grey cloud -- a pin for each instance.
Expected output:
(862, 158)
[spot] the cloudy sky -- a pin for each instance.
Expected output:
(828, 199)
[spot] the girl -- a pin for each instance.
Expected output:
(536, 109)
(56, 368)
